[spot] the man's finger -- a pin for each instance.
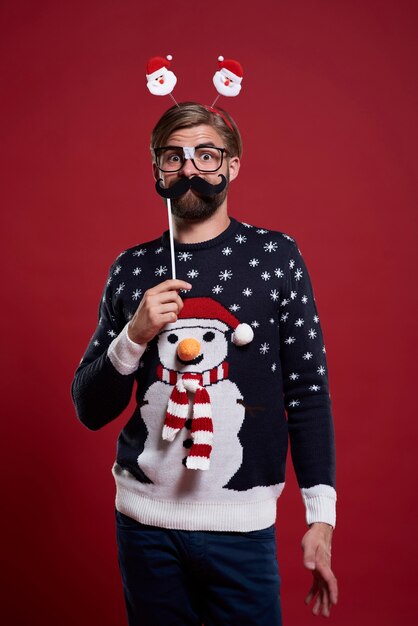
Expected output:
(309, 556)
(172, 284)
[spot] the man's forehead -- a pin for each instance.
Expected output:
(203, 134)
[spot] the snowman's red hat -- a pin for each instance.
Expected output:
(209, 312)
(157, 66)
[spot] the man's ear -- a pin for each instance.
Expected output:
(234, 165)
(156, 172)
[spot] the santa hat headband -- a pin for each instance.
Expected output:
(207, 311)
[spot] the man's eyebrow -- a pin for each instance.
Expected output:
(208, 144)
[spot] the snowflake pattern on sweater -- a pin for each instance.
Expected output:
(280, 378)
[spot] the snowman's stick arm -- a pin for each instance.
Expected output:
(170, 228)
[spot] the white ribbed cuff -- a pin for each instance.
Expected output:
(320, 502)
(125, 354)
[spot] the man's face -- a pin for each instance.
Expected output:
(193, 206)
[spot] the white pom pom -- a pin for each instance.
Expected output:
(242, 335)
(220, 58)
(169, 57)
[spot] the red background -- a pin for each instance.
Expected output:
(328, 116)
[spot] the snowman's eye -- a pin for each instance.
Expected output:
(172, 338)
(209, 336)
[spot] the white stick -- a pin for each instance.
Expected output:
(170, 227)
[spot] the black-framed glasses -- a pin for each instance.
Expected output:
(205, 158)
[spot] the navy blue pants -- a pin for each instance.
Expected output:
(182, 578)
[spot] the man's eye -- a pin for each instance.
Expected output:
(173, 158)
(206, 156)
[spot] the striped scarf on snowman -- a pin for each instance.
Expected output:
(178, 412)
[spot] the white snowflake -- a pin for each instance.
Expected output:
(312, 333)
(266, 275)
(254, 262)
(314, 388)
(136, 294)
(284, 317)
(274, 295)
(293, 295)
(140, 252)
(137, 271)
(316, 319)
(192, 274)
(111, 333)
(291, 264)
(299, 322)
(255, 324)
(261, 231)
(117, 270)
(234, 308)
(96, 343)
(272, 320)
(184, 256)
(109, 280)
(160, 271)
(273, 367)
(307, 356)
(264, 348)
(120, 289)
(290, 340)
(217, 289)
(323, 349)
(240, 238)
(225, 275)
(121, 254)
(279, 273)
(159, 250)
(287, 237)
(298, 274)
(271, 246)
(246, 225)
(247, 292)
(227, 251)
(321, 370)
(284, 302)
(293, 376)
(294, 403)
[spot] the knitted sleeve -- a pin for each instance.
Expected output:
(306, 393)
(100, 392)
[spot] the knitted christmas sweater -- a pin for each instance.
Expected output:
(205, 448)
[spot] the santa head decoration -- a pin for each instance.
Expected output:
(160, 79)
(228, 78)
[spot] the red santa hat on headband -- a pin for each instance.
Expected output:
(228, 78)
(208, 312)
(160, 79)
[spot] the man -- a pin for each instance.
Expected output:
(221, 356)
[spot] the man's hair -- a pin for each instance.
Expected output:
(189, 114)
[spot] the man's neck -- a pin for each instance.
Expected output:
(197, 232)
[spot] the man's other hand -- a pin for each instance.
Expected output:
(159, 306)
(316, 546)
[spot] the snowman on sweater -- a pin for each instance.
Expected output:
(194, 413)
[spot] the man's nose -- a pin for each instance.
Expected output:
(188, 168)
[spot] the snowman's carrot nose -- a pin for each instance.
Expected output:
(188, 349)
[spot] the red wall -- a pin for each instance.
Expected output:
(328, 115)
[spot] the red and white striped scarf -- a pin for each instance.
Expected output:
(178, 411)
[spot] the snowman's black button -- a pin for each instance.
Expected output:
(187, 443)
(188, 424)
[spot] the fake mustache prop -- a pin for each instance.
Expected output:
(195, 182)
